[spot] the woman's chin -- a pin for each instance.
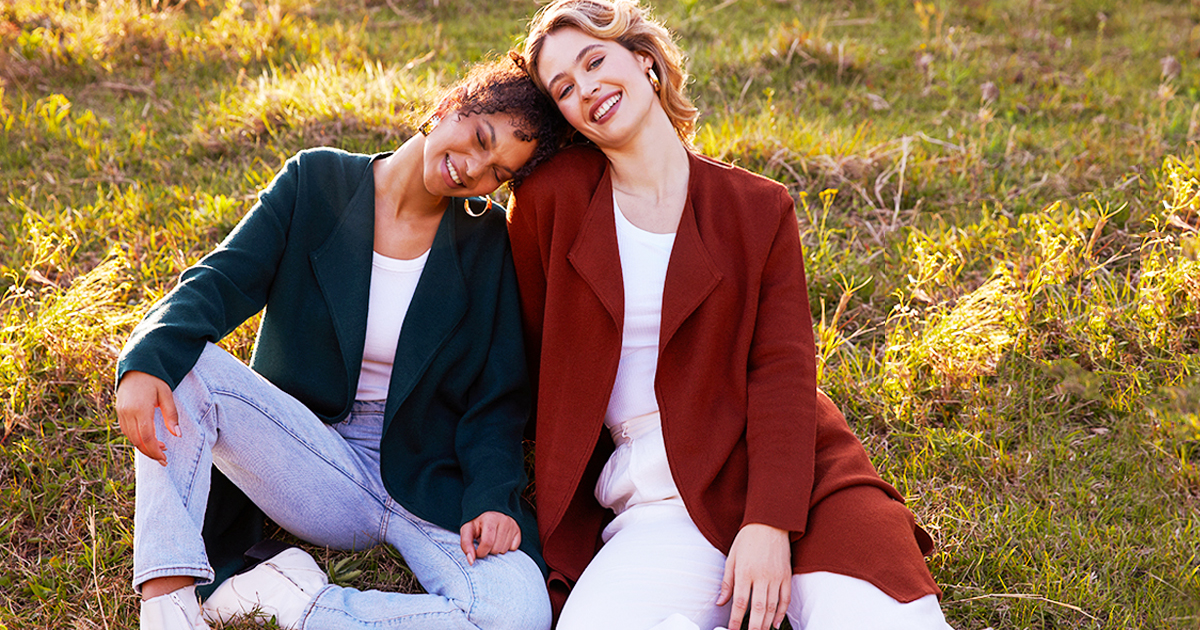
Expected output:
(438, 188)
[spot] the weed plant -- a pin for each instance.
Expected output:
(1000, 204)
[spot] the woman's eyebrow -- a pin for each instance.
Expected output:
(581, 55)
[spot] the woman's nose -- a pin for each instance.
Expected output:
(475, 166)
(589, 89)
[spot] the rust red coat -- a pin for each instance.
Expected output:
(749, 438)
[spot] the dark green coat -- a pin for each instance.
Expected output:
(459, 395)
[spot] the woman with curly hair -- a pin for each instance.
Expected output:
(385, 400)
(664, 300)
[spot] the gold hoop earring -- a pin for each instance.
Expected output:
(654, 82)
(427, 127)
(476, 215)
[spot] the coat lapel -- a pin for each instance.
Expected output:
(438, 305)
(342, 266)
(594, 253)
(691, 273)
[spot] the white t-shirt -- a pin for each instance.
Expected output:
(644, 257)
(393, 283)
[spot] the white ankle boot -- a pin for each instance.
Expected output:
(280, 588)
(177, 610)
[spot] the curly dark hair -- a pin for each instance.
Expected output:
(499, 86)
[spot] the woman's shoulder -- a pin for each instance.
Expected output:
(330, 161)
(319, 178)
(578, 167)
(734, 183)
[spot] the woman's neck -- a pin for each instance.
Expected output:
(650, 176)
(400, 184)
(406, 214)
(653, 165)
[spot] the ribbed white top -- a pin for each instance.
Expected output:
(393, 283)
(644, 258)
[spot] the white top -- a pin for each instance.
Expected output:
(393, 283)
(644, 257)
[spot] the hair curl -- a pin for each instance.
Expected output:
(630, 25)
(501, 87)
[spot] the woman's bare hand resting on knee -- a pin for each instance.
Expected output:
(497, 533)
(758, 577)
(138, 395)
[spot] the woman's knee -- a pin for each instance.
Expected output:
(513, 598)
(526, 613)
(210, 367)
(216, 365)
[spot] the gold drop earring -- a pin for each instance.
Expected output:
(427, 127)
(467, 208)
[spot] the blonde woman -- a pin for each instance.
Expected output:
(690, 474)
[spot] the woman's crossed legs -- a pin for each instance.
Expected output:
(322, 484)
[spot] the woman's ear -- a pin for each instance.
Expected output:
(444, 107)
(647, 60)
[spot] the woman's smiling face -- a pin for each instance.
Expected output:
(600, 86)
(467, 155)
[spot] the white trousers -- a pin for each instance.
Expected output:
(657, 571)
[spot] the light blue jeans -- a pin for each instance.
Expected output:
(322, 484)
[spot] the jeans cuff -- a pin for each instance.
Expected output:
(203, 575)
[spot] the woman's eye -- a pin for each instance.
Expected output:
(564, 92)
(595, 63)
(479, 138)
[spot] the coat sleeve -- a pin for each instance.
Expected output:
(218, 293)
(782, 396)
(488, 442)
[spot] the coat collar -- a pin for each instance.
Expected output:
(342, 266)
(691, 273)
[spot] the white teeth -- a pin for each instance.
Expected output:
(606, 105)
(453, 171)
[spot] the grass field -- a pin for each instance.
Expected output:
(1001, 212)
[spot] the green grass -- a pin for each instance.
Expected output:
(1006, 283)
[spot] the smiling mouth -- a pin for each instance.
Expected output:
(453, 172)
(603, 108)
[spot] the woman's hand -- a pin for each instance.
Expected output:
(137, 395)
(758, 577)
(497, 533)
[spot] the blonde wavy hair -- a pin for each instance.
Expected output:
(630, 25)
